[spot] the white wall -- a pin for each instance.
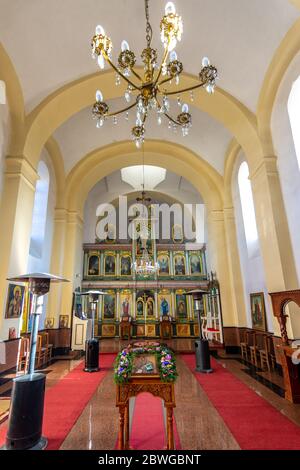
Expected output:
(288, 166)
(4, 131)
(41, 261)
(251, 260)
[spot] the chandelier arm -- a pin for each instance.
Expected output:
(183, 90)
(120, 73)
(136, 74)
(121, 110)
(162, 64)
(165, 80)
(173, 120)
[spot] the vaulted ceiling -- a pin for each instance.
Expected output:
(49, 45)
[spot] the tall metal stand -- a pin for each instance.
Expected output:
(201, 345)
(92, 345)
(27, 399)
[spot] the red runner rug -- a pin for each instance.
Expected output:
(148, 428)
(254, 423)
(66, 400)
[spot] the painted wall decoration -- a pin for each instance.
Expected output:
(125, 264)
(94, 265)
(140, 307)
(150, 313)
(195, 264)
(110, 264)
(163, 260)
(108, 330)
(164, 303)
(49, 323)
(12, 333)
(14, 302)
(109, 305)
(126, 303)
(179, 264)
(143, 239)
(63, 321)
(258, 311)
(146, 301)
(181, 305)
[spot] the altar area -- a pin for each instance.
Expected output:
(108, 267)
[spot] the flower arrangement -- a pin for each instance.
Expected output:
(164, 356)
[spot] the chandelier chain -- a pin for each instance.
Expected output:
(148, 25)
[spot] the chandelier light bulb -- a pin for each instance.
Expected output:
(170, 8)
(99, 96)
(210, 89)
(101, 61)
(127, 96)
(99, 30)
(173, 56)
(124, 46)
(205, 62)
(172, 44)
(185, 108)
(100, 123)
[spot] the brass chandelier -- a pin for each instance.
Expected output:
(151, 90)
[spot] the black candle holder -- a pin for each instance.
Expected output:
(28, 392)
(201, 345)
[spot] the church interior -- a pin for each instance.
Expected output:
(150, 214)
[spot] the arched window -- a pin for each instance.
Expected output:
(2, 92)
(294, 115)
(39, 212)
(247, 208)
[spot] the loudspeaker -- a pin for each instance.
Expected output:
(26, 413)
(202, 356)
(91, 355)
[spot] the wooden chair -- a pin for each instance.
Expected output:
(48, 347)
(23, 358)
(271, 350)
(244, 346)
(40, 352)
(253, 348)
(261, 344)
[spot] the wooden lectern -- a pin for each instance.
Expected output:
(291, 370)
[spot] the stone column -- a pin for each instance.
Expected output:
(217, 248)
(57, 263)
(72, 260)
(272, 225)
(234, 272)
(16, 211)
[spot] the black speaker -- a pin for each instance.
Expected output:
(91, 355)
(202, 356)
(26, 413)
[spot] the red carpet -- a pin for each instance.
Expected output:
(65, 401)
(253, 422)
(148, 429)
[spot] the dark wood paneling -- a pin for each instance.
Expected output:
(9, 354)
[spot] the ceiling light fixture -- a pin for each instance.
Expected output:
(152, 90)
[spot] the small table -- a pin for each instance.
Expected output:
(139, 384)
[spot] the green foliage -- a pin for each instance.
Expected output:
(164, 356)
